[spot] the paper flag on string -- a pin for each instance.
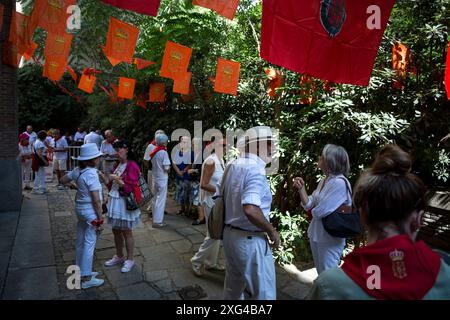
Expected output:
(227, 76)
(447, 72)
(11, 55)
(157, 92)
(182, 84)
(121, 41)
(51, 15)
(328, 40)
(175, 60)
(126, 88)
(87, 82)
(190, 96)
(226, 8)
(20, 32)
(307, 89)
(148, 7)
(400, 58)
(58, 45)
(275, 81)
(72, 73)
(54, 68)
(2, 9)
(141, 102)
(141, 63)
(29, 52)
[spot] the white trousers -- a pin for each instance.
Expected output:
(26, 173)
(250, 271)
(39, 180)
(160, 196)
(327, 255)
(208, 253)
(86, 239)
(151, 185)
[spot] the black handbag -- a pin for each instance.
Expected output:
(131, 203)
(344, 222)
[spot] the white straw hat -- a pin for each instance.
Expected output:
(259, 133)
(88, 151)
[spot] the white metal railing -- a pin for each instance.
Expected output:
(74, 151)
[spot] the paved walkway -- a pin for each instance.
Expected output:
(37, 245)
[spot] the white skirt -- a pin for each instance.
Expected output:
(118, 215)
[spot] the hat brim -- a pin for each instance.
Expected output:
(261, 139)
(99, 154)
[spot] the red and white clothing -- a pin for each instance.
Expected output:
(25, 154)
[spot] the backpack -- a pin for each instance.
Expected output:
(216, 219)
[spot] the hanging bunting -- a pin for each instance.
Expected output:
(275, 81)
(54, 68)
(325, 39)
(447, 72)
(226, 8)
(148, 7)
(51, 15)
(121, 42)
(182, 84)
(126, 88)
(175, 60)
(157, 92)
(29, 52)
(87, 82)
(58, 45)
(400, 64)
(141, 63)
(307, 89)
(11, 55)
(141, 101)
(20, 32)
(72, 73)
(227, 76)
(2, 9)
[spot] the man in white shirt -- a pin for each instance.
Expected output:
(110, 154)
(79, 135)
(93, 137)
(150, 147)
(250, 270)
(32, 136)
(60, 147)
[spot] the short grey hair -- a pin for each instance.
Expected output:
(336, 160)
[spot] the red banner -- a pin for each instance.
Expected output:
(157, 92)
(2, 9)
(447, 72)
(148, 7)
(20, 32)
(331, 40)
(54, 68)
(175, 60)
(126, 88)
(121, 42)
(226, 8)
(29, 52)
(11, 55)
(182, 84)
(227, 76)
(51, 15)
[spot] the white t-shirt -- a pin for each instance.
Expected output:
(60, 144)
(25, 150)
(148, 150)
(115, 187)
(87, 180)
(40, 145)
(107, 149)
(159, 161)
(93, 138)
(79, 136)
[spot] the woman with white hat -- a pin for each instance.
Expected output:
(88, 207)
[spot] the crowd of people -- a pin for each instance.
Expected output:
(389, 198)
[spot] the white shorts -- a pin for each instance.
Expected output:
(60, 165)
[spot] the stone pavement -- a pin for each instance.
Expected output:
(38, 244)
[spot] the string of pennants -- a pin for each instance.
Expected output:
(283, 45)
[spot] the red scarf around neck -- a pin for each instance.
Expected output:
(156, 150)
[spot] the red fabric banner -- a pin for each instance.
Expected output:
(54, 68)
(11, 55)
(182, 84)
(142, 63)
(157, 92)
(20, 32)
(87, 83)
(331, 40)
(447, 72)
(121, 42)
(226, 8)
(2, 9)
(29, 52)
(148, 7)
(126, 88)
(51, 15)
(58, 45)
(227, 76)
(175, 60)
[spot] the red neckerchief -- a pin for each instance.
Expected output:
(156, 150)
(153, 142)
(408, 270)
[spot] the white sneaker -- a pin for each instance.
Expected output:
(94, 282)
(127, 266)
(198, 270)
(114, 261)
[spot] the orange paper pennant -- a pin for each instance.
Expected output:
(275, 81)
(72, 73)
(307, 89)
(20, 32)
(226, 8)
(227, 76)
(58, 45)
(54, 68)
(126, 88)
(121, 42)
(175, 60)
(141, 102)
(400, 58)
(141, 63)
(87, 83)
(157, 92)
(2, 9)
(182, 84)
(29, 52)
(51, 15)
(11, 55)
